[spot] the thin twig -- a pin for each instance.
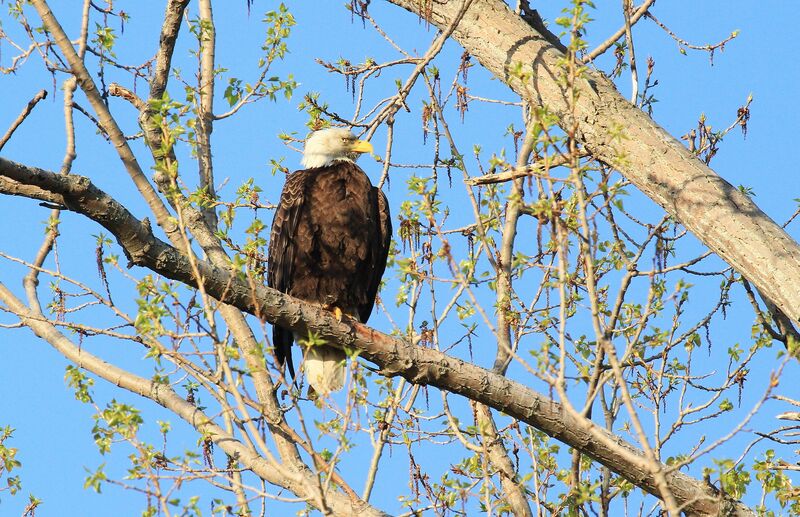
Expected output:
(539, 169)
(22, 116)
(594, 54)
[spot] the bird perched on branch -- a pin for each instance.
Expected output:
(329, 243)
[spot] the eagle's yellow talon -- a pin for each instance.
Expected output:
(338, 314)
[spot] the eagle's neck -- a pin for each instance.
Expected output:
(315, 160)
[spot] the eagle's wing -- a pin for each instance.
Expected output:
(282, 253)
(380, 252)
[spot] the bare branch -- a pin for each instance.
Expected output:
(22, 116)
(205, 114)
(539, 169)
(166, 46)
(641, 11)
(117, 90)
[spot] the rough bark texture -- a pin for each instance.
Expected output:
(394, 356)
(723, 218)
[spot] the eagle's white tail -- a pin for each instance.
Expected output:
(325, 368)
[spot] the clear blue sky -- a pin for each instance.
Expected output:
(53, 430)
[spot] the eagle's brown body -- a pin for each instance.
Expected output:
(329, 243)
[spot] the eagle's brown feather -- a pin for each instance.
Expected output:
(329, 243)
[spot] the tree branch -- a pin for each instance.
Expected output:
(22, 116)
(394, 356)
(641, 11)
(540, 168)
(205, 113)
(166, 46)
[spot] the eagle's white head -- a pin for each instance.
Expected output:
(329, 145)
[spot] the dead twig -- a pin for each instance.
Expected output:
(22, 116)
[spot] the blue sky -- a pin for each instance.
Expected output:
(53, 429)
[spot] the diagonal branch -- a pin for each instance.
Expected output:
(22, 116)
(394, 356)
(166, 46)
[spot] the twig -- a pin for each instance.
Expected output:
(92, 119)
(540, 169)
(22, 116)
(591, 56)
(707, 48)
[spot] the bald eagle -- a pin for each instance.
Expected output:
(328, 245)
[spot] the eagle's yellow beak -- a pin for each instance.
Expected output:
(361, 146)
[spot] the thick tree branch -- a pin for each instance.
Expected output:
(205, 112)
(723, 218)
(395, 357)
(166, 46)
